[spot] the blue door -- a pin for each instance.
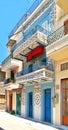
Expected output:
(30, 105)
(48, 105)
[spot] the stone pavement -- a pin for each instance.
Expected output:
(12, 122)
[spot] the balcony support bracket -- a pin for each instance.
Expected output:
(17, 59)
(30, 48)
(41, 44)
(23, 55)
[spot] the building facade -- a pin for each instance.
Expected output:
(13, 90)
(37, 67)
(58, 51)
(2, 91)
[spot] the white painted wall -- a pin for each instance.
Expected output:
(23, 105)
(37, 104)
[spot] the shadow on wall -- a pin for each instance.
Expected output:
(1, 128)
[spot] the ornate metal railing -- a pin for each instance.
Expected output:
(30, 78)
(9, 80)
(29, 34)
(34, 30)
(25, 16)
(10, 56)
(56, 35)
(49, 65)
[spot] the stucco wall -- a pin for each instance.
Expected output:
(38, 100)
(23, 102)
(59, 75)
(14, 101)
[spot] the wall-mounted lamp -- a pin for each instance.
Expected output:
(55, 99)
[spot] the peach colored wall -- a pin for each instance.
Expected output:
(7, 74)
(7, 101)
(14, 101)
(60, 16)
(59, 75)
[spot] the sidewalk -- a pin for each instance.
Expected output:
(12, 122)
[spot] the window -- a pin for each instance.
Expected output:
(64, 66)
(2, 99)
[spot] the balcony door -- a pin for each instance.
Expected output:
(43, 62)
(12, 74)
(66, 27)
(64, 84)
(30, 68)
(10, 102)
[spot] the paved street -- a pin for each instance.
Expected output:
(11, 122)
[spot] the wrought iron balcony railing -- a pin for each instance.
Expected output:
(25, 16)
(9, 80)
(40, 75)
(56, 35)
(10, 63)
(30, 34)
(10, 56)
(40, 65)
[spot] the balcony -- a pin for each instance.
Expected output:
(9, 80)
(57, 43)
(32, 39)
(58, 34)
(25, 16)
(38, 73)
(63, 4)
(10, 84)
(9, 62)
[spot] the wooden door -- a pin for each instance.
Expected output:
(64, 84)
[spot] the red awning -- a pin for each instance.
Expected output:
(35, 53)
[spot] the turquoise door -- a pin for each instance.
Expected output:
(30, 113)
(47, 105)
(18, 103)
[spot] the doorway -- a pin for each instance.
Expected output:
(47, 105)
(30, 104)
(12, 74)
(30, 68)
(18, 103)
(66, 27)
(10, 102)
(64, 84)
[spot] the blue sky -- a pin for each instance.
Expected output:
(10, 13)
